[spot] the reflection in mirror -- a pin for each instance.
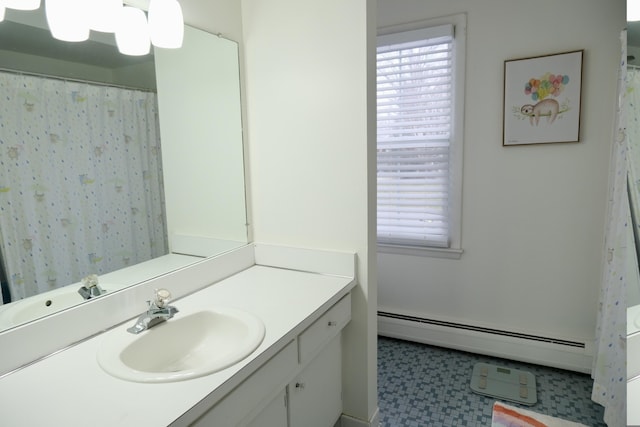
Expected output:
(81, 186)
(633, 155)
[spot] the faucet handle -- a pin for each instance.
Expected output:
(162, 297)
(90, 281)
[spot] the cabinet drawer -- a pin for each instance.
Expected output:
(322, 330)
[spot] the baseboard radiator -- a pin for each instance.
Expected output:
(542, 350)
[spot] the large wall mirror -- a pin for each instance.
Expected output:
(117, 166)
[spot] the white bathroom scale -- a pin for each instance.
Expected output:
(504, 383)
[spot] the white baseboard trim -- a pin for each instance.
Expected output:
(556, 355)
(347, 421)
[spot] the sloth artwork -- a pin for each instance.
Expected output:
(543, 91)
(542, 106)
(546, 107)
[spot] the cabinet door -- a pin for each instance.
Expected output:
(274, 415)
(234, 408)
(315, 395)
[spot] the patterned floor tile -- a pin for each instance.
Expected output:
(421, 385)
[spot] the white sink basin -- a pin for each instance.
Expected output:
(184, 347)
(39, 306)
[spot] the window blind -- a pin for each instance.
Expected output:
(414, 109)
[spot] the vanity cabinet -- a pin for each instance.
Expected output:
(239, 407)
(301, 386)
(274, 414)
(315, 395)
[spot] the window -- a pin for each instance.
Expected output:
(419, 119)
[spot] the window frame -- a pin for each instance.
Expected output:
(454, 250)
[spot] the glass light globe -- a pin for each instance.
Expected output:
(166, 24)
(132, 33)
(22, 4)
(633, 10)
(67, 19)
(103, 15)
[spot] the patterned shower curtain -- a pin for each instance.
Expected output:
(633, 140)
(80, 181)
(609, 367)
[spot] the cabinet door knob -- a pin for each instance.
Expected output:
(332, 323)
(300, 386)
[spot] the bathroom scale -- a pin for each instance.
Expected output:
(504, 383)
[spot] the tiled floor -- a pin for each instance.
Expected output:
(425, 386)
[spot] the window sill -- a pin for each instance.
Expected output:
(448, 253)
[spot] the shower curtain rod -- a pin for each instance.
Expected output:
(70, 79)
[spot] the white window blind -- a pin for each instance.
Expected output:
(414, 117)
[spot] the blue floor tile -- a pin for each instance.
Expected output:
(423, 385)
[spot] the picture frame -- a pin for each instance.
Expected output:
(542, 99)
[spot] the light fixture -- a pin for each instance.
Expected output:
(67, 19)
(22, 4)
(2, 10)
(132, 33)
(103, 15)
(633, 10)
(73, 20)
(166, 24)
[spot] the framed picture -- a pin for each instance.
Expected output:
(542, 99)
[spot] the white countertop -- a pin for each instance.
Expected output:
(69, 388)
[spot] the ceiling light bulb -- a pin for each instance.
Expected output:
(104, 14)
(67, 19)
(132, 33)
(633, 10)
(22, 4)
(166, 24)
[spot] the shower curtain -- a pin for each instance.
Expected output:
(609, 367)
(633, 141)
(80, 181)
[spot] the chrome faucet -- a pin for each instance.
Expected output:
(157, 312)
(90, 287)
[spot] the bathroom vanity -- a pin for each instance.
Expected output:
(293, 378)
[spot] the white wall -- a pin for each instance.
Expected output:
(214, 16)
(533, 216)
(311, 146)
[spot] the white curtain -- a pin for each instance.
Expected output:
(609, 368)
(633, 140)
(80, 181)
(633, 182)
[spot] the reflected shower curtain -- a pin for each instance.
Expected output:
(609, 367)
(633, 140)
(80, 181)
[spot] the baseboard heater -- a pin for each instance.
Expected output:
(575, 344)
